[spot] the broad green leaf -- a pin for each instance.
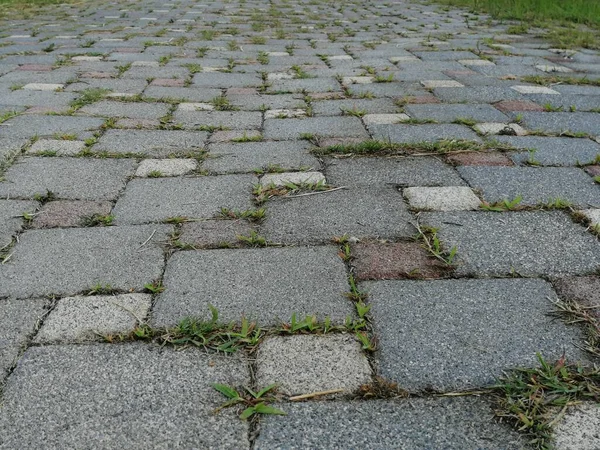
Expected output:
(261, 408)
(227, 391)
(263, 391)
(247, 413)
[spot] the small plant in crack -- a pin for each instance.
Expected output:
(102, 289)
(428, 236)
(573, 312)
(252, 215)
(381, 388)
(252, 240)
(95, 220)
(45, 198)
(221, 103)
(155, 287)
(504, 205)
(176, 220)
(255, 402)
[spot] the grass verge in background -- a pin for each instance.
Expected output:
(570, 23)
(11, 9)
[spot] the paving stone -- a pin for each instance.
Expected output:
(450, 113)
(583, 290)
(61, 147)
(346, 81)
(69, 213)
(422, 133)
(321, 126)
(488, 128)
(18, 321)
(215, 233)
(559, 122)
(28, 126)
(430, 84)
(234, 135)
(593, 170)
(359, 212)
(234, 120)
(551, 151)
(298, 178)
(284, 113)
(477, 94)
(152, 143)
(449, 423)
(58, 261)
(166, 167)
(534, 184)
(195, 107)
(11, 218)
(535, 90)
(427, 343)
(480, 159)
(43, 86)
(516, 105)
(130, 110)
(441, 198)
(301, 280)
(593, 216)
(525, 243)
(117, 396)
(80, 318)
(374, 260)
(310, 363)
(552, 69)
(578, 429)
(476, 62)
(67, 178)
(384, 119)
(249, 156)
(157, 199)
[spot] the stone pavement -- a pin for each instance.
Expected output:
(160, 158)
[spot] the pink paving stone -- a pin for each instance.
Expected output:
(516, 105)
(167, 82)
(138, 123)
(593, 170)
(242, 91)
(67, 213)
(583, 290)
(230, 135)
(385, 261)
(35, 67)
(480, 159)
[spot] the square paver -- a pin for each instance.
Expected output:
(306, 364)
(118, 396)
(69, 213)
(165, 167)
(69, 261)
(31, 125)
(67, 178)
(232, 120)
(450, 113)
(61, 147)
(267, 285)
(11, 218)
(459, 334)
(534, 184)
(411, 424)
(156, 143)
(156, 199)
(430, 84)
(442, 198)
(526, 243)
(80, 318)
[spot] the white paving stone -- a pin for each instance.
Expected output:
(384, 119)
(86, 58)
(61, 147)
(340, 58)
(279, 76)
(593, 216)
(430, 84)
(549, 68)
(284, 113)
(280, 179)
(278, 54)
(195, 107)
(579, 429)
(534, 90)
(397, 59)
(357, 80)
(83, 318)
(166, 167)
(447, 198)
(43, 86)
(500, 128)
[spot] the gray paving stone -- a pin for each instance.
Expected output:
(361, 212)
(157, 199)
(18, 320)
(118, 396)
(267, 285)
(477, 94)
(559, 122)
(418, 423)
(153, 143)
(249, 156)
(551, 151)
(534, 184)
(307, 364)
(232, 120)
(68, 261)
(579, 428)
(81, 318)
(215, 233)
(137, 110)
(527, 243)
(9, 148)
(187, 93)
(450, 113)
(338, 107)
(69, 213)
(420, 171)
(322, 126)
(166, 167)
(422, 133)
(11, 218)
(67, 178)
(28, 126)
(457, 334)
(226, 80)
(61, 147)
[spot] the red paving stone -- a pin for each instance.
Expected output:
(480, 159)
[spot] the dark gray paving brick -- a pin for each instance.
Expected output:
(68, 261)
(422, 133)
(18, 319)
(136, 110)
(559, 122)
(267, 285)
(68, 178)
(457, 334)
(281, 129)
(118, 396)
(9, 148)
(477, 94)
(233, 120)
(534, 184)
(450, 113)
(151, 142)
(28, 126)
(157, 199)
(551, 151)
(419, 423)
(11, 218)
(361, 212)
(528, 243)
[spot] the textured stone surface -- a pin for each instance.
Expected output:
(117, 396)
(457, 334)
(69, 213)
(480, 159)
(215, 233)
(299, 280)
(551, 151)
(441, 198)
(322, 126)
(579, 429)
(87, 318)
(449, 423)
(166, 167)
(583, 290)
(11, 218)
(70, 261)
(299, 178)
(306, 364)
(422, 133)
(151, 143)
(525, 243)
(61, 147)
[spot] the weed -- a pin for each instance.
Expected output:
(89, 96)
(504, 205)
(263, 58)
(384, 79)
(380, 388)
(97, 220)
(154, 288)
(246, 138)
(45, 198)
(468, 121)
(255, 402)
(550, 108)
(428, 236)
(252, 240)
(547, 80)
(176, 220)
(8, 115)
(102, 289)
(221, 103)
(252, 215)
(353, 112)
